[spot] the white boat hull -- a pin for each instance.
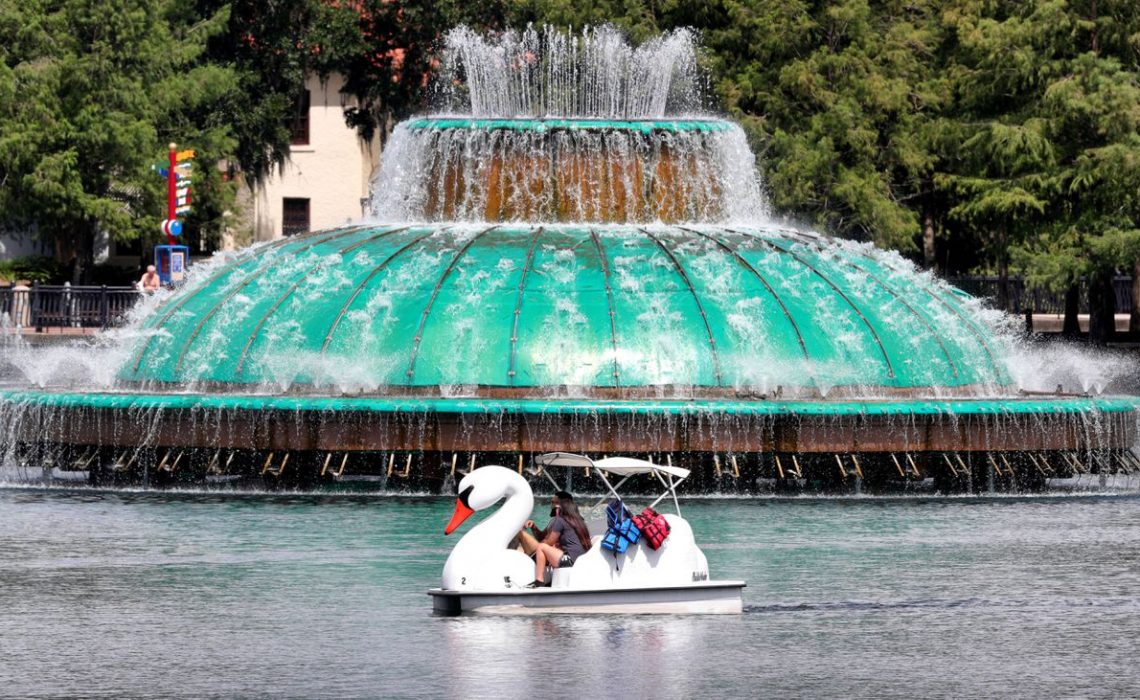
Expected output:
(704, 598)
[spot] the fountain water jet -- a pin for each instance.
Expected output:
(570, 259)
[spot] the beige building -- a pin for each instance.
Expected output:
(325, 181)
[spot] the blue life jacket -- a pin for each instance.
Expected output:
(622, 531)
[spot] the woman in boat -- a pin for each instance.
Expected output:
(563, 540)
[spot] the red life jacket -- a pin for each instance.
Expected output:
(654, 527)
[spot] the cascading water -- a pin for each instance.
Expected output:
(568, 171)
(571, 255)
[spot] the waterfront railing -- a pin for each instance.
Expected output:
(49, 308)
(1022, 298)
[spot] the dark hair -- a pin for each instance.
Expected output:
(569, 513)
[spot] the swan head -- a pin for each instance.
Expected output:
(481, 489)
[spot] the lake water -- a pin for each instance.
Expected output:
(195, 594)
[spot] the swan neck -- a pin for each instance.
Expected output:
(510, 517)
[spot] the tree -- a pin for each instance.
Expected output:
(389, 51)
(269, 46)
(1048, 104)
(846, 106)
(93, 92)
(639, 18)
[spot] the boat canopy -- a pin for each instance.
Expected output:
(623, 467)
(618, 466)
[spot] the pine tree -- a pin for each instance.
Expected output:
(846, 116)
(1048, 109)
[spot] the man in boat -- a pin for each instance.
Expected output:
(560, 543)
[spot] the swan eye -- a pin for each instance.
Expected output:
(463, 495)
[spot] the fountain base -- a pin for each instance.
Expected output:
(736, 445)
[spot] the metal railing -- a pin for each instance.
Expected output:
(1040, 301)
(51, 307)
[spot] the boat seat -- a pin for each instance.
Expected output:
(597, 527)
(560, 578)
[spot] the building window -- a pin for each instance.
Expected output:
(294, 216)
(299, 125)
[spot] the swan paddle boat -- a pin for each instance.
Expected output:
(483, 575)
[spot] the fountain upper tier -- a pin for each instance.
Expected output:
(568, 170)
(572, 127)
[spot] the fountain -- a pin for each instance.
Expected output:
(569, 255)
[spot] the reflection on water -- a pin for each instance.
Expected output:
(488, 655)
(106, 593)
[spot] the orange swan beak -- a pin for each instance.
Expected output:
(462, 512)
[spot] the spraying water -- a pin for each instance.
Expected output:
(547, 171)
(548, 72)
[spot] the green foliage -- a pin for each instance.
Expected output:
(1048, 107)
(268, 48)
(95, 92)
(34, 268)
(388, 51)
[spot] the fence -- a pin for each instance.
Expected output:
(1041, 301)
(46, 307)
(64, 306)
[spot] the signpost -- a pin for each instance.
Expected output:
(171, 260)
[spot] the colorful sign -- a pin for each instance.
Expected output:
(171, 261)
(178, 176)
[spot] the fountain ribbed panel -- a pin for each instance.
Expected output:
(749, 325)
(448, 305)
(966, 345)
(564, 334)
(202, 325)
(373, 344)
(924, 339)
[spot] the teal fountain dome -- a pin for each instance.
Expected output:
(571, 255)
(605, 311)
